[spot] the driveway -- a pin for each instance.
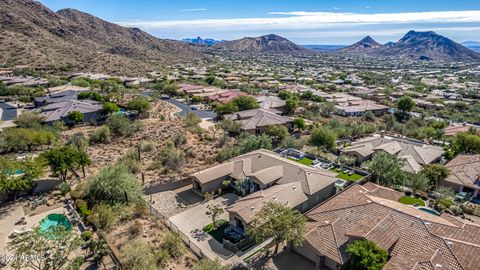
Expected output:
(8, 112)
(187, 109)
(192, 221)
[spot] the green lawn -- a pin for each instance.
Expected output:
(305, 161)
(346, 177)
(411, 200)
(218, 232)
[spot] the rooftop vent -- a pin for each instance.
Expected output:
(252, 208)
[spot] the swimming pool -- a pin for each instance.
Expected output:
(50, 222)
(428, 210)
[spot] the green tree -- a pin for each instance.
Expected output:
(26, 138)
(366, 255)
(323, 138)
(112, 184)
(327, 108)
(246, 103)
(291, 142)
(110, 107)
(467, 143)
(277, 221)
(227, 108)
(417, 181)
(47, 250)
(210, 79)
(100, 135)
(249, 142)
(299, 123)
(138, 255)
(65, 158)
(120, 125)
(230, 126)
(75, 116)
(277, 132)
(91, 95)
(386, 169)
(29, 120)
(11, 182)
(405, 104)
(214, 211)
(291, 105)
(139, 104)
(435, 173)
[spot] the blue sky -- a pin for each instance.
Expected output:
(302, 21)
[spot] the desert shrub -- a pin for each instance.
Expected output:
(86, 235)
(76, 263)
(162, 257)
(103, 216)
(121, 126)
(135, 229)
(82, 207)
(179, 139)
(111, 184)
(138, 255)
(170, 157)
(173, 244)
(100, 135)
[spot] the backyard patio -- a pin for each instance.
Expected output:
(191, 222)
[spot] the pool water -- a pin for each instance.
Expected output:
(51, 222)
(428, 210)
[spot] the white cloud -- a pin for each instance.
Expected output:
(309, 20)
(193, 9)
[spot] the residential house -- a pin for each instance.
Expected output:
(464, 174)
(271, 102)
(414, 239)
(58, 111)
(453, 130)
(266, 176)
(225, 96)
(257, 120)
(56, 97)
(348, 105)
(414, 154)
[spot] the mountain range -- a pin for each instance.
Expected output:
(199, 40)
(415, 45)
(271, 44)
(34, 35)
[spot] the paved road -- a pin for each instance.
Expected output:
(9, 112)
(186, 109)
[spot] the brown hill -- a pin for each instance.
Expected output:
(367, 44)
(417, 46)
(35, 35)
(430, 46)
(271, 44)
